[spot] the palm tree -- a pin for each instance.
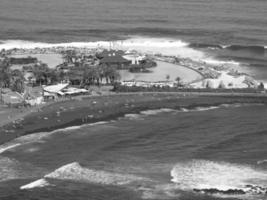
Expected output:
(5, 75)
(178, 79)
(17, 81)
(112, 74)
(43, 74)
(167, 77)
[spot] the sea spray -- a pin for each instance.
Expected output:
(204, 175)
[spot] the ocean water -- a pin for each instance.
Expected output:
(224, 149)
(225, 30)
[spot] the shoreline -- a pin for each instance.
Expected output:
(88, 110)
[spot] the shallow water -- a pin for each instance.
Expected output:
(221, 147)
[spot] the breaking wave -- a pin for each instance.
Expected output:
(23, 140)
(75, 172)
(255, 49)
(136, 116)
(165, 46)
(133, 116)
(156, 111)
(260, 162)
(251, 48)
(203, 45)
(143, 44)
(219, 178)
(39, 137)
(35, 184)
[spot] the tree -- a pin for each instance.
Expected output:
(261, 86)
(221, 85)
(178, 79)
(17, 81)
(69, 55)
(167, 77)
(44, 75)
(5, 74)
(112, 74)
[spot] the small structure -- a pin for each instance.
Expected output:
(11, 98)
(54, 91)
(60, 90)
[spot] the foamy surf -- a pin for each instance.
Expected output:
(219, 177)
(35, 184)
(133, 116)
(197, 109)
(149, 45)
(156, 111)
(4, 148)
(75, 172)
(39, 137)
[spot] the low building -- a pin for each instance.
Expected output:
(53, 92)
(116, 61)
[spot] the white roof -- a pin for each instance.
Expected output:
(74, 91)
(55, 88)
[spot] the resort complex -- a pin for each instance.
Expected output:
(34, 76)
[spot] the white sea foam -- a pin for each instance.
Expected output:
(198, 109)
(156, 111)
(202, 174)
(220, 62)
(133, 116)
(31, 138)
(205, 108)
(4, 148)
(184, 110)
(35, 184)
(22, 44)
(75, 172)
(98, 123)
(38, 137)
(165, 46)
(262, 162)
(160, 191)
